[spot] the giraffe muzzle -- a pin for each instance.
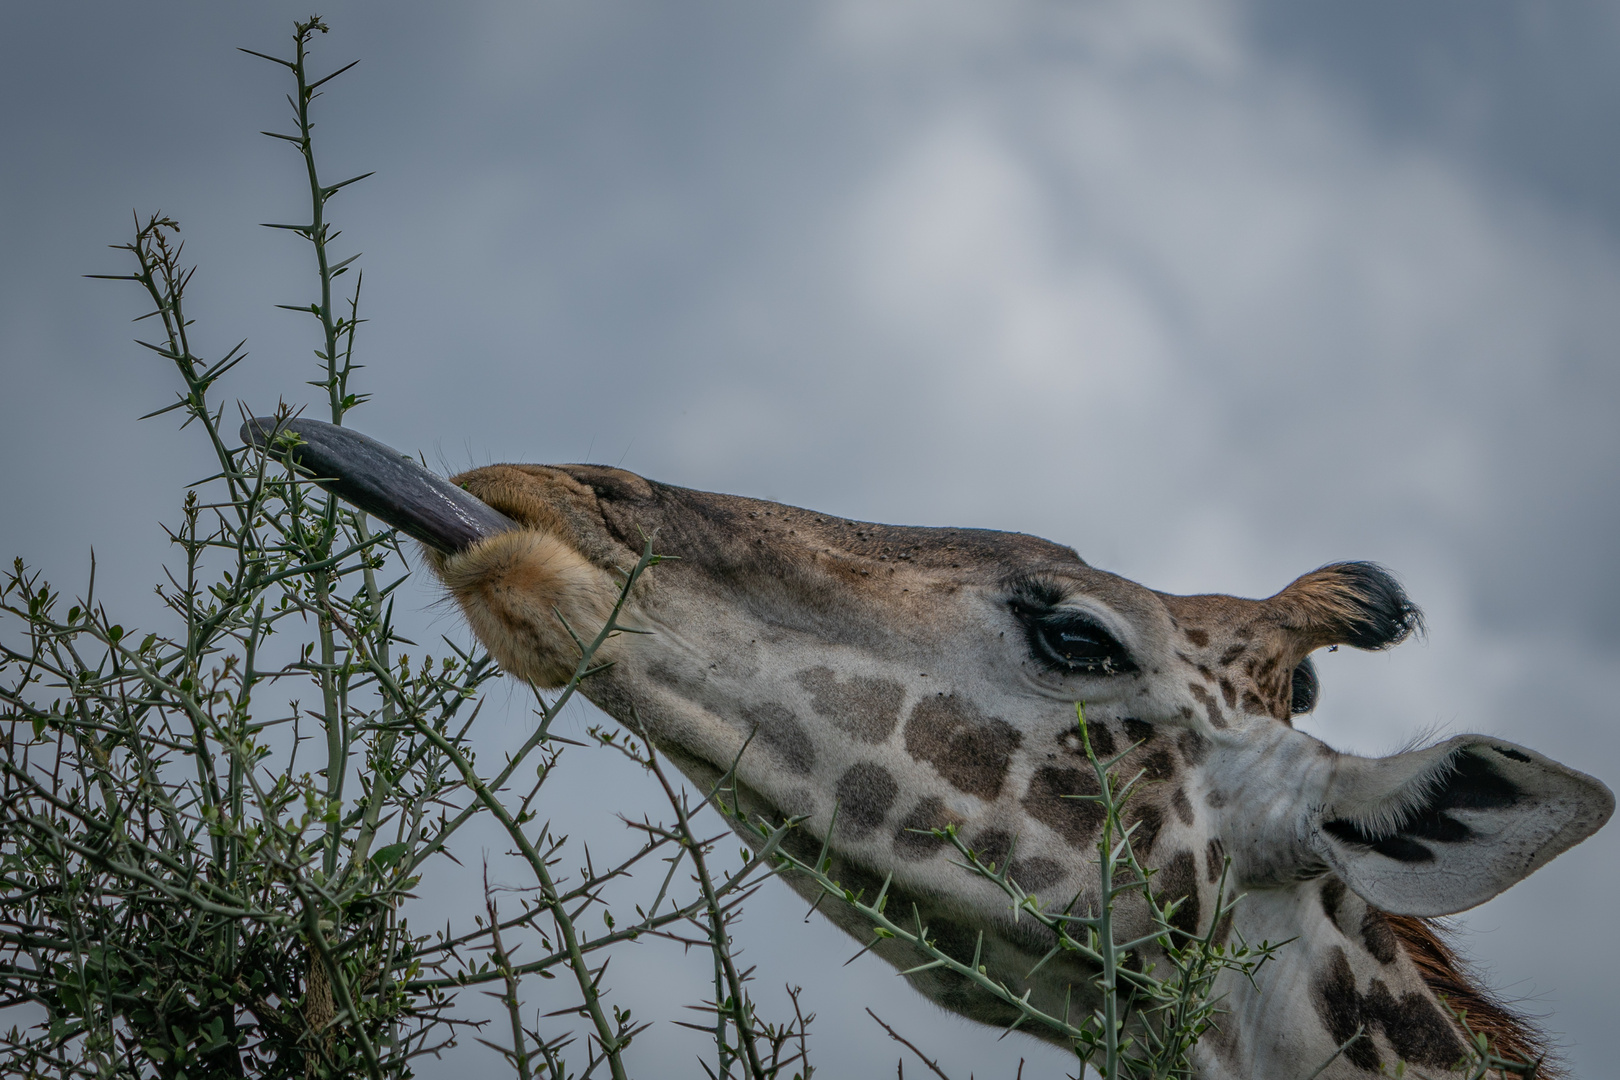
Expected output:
(380, 480)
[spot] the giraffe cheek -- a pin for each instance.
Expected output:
(517, 589)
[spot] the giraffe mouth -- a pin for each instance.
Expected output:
(379, 480)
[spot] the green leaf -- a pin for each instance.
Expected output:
(388, 856)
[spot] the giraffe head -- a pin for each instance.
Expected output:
(881, 682)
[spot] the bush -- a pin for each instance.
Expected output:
(186, 895)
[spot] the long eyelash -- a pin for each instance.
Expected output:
(1037, 594)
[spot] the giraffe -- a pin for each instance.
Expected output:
(914, 678)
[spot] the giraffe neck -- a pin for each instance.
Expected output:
(1350, 968)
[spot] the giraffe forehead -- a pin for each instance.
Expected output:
(744, 546)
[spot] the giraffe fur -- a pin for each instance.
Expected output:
(882, 681)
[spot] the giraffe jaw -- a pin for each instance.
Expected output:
(380, 481)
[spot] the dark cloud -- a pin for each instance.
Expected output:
(1524, 93)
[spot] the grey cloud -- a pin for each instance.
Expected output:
(1214, 293)
(1521, 93)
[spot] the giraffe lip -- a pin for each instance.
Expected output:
(381, 481)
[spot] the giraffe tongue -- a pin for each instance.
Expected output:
(381, 481)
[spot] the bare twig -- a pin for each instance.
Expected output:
(909, 1045)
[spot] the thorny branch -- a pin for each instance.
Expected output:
(181, 895)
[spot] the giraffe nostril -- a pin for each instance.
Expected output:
(1307, 687)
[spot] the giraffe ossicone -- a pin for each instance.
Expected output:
(920, 677)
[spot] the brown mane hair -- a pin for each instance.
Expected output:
(1447, 975)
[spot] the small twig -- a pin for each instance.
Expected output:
(909, 1045)
(519, 1054)
(719, 942)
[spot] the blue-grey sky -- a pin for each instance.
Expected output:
(1215, 292)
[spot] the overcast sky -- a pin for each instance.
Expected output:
(1214, 292)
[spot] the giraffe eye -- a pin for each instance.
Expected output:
(1067, 641)
(1306, 688)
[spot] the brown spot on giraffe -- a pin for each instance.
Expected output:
(777, 727)
(992, 847)
(1378, 935)
(1182, 806)
(1412, 1022)
(1207, 700)
(1178, 880)
(1047, 800)
(1339, 1007)
(1157, 766)
(865, 792)
(1415, 1027)
(1331, 896)
(1149, 820)
(1214, 860)
(1037, 872)
(914, 839)
(867, 708)
(1102, 742)
(665, 675)
(969, 750)
(1445, 975)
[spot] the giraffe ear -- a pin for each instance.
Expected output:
(1437, 831)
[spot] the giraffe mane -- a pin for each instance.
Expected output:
(1447, 974)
